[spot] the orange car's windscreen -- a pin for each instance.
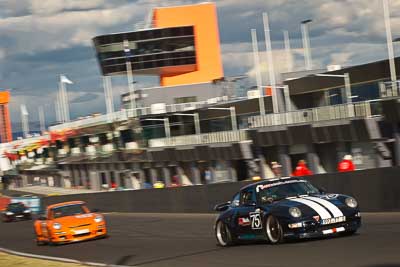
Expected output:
(69, 210)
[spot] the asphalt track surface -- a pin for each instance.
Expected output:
(188, 240)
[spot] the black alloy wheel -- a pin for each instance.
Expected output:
(273, 230)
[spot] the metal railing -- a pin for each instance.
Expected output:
(344, 111)
(200, 139)
(389, 89)
(124, 115)
(130, 113)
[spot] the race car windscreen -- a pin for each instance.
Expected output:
(69, 210)
(285, 190)
(15, 207)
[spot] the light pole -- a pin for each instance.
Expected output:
(288, 51)
(306, 43)
(196, 120)
(389, 41)
(25, 120)
(233, 116)
(270, 60)
(347, 84)
(256, 57)
(42, 120)
(166, 126)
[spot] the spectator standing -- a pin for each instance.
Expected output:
(207, 176)
(302, 169)
(346, 165)
(276, 169)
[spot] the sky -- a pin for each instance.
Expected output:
(41, 39)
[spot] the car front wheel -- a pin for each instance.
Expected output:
(223, 235)
(273, 230)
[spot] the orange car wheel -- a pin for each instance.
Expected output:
(40, 243)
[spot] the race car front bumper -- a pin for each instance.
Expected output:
(62, 237)
(312, 229)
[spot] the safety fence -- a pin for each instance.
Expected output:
(376, 190)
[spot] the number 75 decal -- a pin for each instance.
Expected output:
(255, 218)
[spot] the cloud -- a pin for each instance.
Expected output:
(41, 39)
(45, 7)
(84, 97)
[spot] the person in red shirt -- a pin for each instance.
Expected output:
(346, 165)
(113, 185)
(302, 169)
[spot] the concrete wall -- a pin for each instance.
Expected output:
(375, 189)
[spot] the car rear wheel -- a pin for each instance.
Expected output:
(223, 235)
(273, 230)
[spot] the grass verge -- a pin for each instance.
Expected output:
(7, 260)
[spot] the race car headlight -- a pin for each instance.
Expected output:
(57, 226)
(98, 219)
(9, 213)
(295, 212)
(351, 202)
(27, 211)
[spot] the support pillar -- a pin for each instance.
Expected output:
(153, 175)
(341, 151)
(285, 160)
(262, 163)
(312, 159)
(396, 135)
(180, 173)
(94, 179)
(167, 176)
(195, 177)
(211, 168)
(76, 175)
(232, 171)
(108, 178)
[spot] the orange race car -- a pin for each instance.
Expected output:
(69, 222)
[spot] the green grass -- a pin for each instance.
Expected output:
(7, 260)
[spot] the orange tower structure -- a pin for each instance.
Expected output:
(203, 18)
(5, 123)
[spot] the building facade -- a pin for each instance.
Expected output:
(193, 130)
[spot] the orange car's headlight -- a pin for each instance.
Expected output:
(57, 226)
(98, 219)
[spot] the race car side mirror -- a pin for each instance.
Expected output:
(322, 190)
(223, 206)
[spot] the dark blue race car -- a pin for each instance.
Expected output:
(286, 208)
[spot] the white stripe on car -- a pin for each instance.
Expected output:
(328, 205)
(322, 212)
